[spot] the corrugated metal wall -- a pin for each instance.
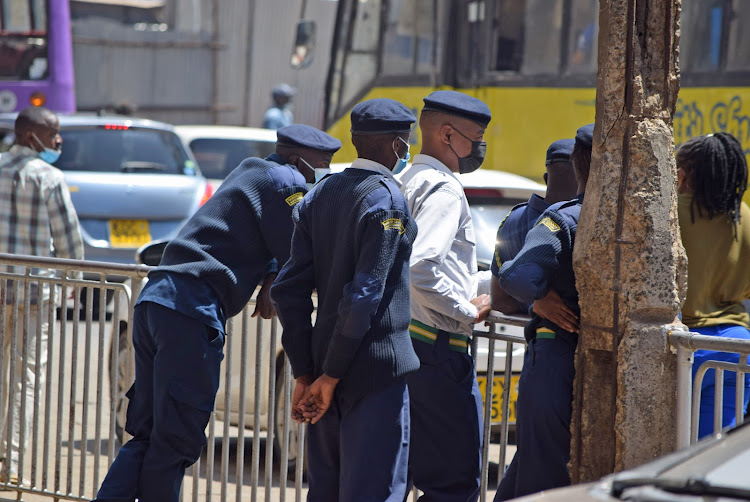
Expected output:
(216, 64)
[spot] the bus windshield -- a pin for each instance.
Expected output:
(23, 40)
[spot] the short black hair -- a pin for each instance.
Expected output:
(717, 170)
(31, 118)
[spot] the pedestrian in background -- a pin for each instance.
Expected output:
(36, 218)
(352, 241)
(280, 113)
(448, 295)
(561, 184)
(545, 389)
(715, 230)
(207, 275)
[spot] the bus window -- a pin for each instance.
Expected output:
(360, 65)
(508, 35)
(584, 32)
(703, 20)
(526, 36)
(408, 40)
(23, 40)
(543, 29)
(738, 56)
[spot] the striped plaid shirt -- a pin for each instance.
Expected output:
(36, 213)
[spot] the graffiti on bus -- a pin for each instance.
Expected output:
(691, 118)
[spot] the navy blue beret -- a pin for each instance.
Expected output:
(459, 104)
(307, 137)
(381, 116)
(283, 90)
(560, 151)
(585, 136)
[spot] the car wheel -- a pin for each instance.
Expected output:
(280, 418)
(120, 361)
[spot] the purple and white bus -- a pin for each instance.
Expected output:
(36, 55)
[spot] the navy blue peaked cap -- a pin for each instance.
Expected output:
(560, 151)
(459, 104)
(381, 116)
(307, 137)
(585, 136)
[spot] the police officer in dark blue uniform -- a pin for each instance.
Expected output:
(207, 275)
(511, 234)
(352, 241)
(545, 389)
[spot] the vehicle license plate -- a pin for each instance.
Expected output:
(128, 233)
(498, 384)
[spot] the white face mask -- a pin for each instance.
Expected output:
(320, 173)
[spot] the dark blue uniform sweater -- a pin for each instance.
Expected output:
(231, 242)
(545, 262)
(352, 241)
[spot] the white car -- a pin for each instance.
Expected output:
(219, 149)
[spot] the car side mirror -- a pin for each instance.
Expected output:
(150, 254)
(304, 45)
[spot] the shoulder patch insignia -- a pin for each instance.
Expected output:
(547, 222)
(393, 224)
(294, 198)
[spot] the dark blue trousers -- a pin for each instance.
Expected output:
(708, 386)
(360, 451)
(544, 410)
(177, 362)
(446, 417)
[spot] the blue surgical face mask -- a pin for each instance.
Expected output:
(48, 155)
(401, 163)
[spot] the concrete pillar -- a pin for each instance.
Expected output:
(631, 269)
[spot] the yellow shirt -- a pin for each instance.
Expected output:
(718, 267)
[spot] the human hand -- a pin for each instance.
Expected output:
(300, 388)
(318, 398)
(553, 309)
(482, 303)
(263, 304)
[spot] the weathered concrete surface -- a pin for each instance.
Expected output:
(630, 265)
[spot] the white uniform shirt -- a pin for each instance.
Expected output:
(443, 263)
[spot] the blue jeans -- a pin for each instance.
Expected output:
(708, 386)
(177, 361)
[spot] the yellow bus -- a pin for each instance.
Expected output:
(532, 61)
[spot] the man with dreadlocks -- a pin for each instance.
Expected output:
(715, 229)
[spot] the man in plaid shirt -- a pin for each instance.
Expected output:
(36, 218)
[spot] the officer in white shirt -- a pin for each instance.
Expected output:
(448, 296)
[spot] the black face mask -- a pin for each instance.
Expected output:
(476, 157)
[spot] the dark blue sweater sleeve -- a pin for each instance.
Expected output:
(295, 284)
(381, 233)
(276, 222)
(528, 276)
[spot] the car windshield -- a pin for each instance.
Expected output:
(486, 217)
(218, 157)
(122, 149)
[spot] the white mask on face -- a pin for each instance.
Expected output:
(320, 173)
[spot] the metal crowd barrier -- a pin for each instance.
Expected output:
(497, 323)
(254, 451)
(689, 394)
